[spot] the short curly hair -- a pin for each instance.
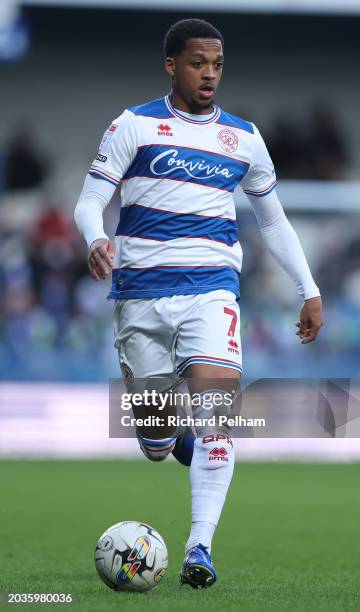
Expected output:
(177, 35)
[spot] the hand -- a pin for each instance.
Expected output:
(311, 320)
(100, 258)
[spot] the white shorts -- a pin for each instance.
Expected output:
(163, 336)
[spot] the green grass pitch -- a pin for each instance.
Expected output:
(288, 540)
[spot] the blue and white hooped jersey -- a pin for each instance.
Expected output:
(177, 232)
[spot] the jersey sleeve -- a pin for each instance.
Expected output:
(260, 178)
(117, 149)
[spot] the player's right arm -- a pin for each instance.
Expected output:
(95, 196)
(117, 151)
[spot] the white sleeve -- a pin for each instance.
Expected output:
(283, 242)
(260, 179)
(117, 149)
(93, 200)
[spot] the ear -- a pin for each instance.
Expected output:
(169, 65)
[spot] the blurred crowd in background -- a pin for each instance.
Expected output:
(315, 150)
(55, 321)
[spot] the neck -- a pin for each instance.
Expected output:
(193, 109)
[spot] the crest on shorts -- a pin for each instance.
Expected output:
(127, 373)
(228, 140)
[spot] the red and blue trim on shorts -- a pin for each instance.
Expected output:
(224, 363)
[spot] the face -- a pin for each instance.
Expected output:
(196, 73)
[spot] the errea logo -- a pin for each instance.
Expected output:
(233, 347)
(164, 130)
(218, 454)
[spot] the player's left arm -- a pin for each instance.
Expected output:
(281, 238)
(283, 243)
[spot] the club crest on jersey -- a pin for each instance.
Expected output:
(228, 140)
(164, 130)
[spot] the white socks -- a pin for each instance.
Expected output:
(211, 471)
(201, 533)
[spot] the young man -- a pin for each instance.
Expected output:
(176, 259)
